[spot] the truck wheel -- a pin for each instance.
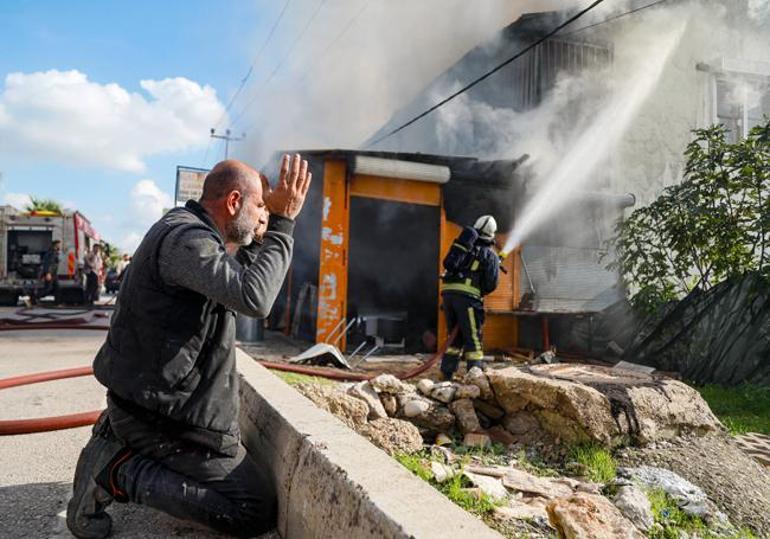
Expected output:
(9, 299)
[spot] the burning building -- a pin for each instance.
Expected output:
(605, 107)
(371, 239)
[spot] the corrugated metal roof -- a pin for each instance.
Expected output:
(568, 279)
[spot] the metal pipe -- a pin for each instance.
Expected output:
(344, 331)
(356, 350)
(526, 271)
(546, 334)
(334, 330)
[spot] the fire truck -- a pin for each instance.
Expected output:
(25, 237)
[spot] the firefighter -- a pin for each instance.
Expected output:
(471, 272)
(49, 274)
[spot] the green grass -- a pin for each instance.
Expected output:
(598, 461)
(293, 378)
(673, 520)
(668, 514)
(742, 408)
(419, 465)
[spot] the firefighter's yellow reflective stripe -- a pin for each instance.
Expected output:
(453, 351)
(475, 265)
(460, 246)
(474, 333)
(474, 356)
(461, 287)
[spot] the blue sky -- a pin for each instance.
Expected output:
(81, 50)
(100, 101)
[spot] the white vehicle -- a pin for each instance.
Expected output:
(25, 237)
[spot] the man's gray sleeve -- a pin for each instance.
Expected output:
(194, 258)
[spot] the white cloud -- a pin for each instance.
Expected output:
(17, 200)
(148, 202)
(130, 242)
(62, 116)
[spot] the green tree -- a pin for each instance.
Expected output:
(712, 226)
(111, 254)
(43, 204)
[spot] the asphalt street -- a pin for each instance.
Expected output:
(36, 469)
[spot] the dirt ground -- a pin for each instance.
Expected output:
(738, 484)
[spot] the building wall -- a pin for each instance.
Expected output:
(650, 156)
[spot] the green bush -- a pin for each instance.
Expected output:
(712, 226)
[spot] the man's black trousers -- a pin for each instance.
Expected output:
(92, 287)
(233, 495)
(467, 314)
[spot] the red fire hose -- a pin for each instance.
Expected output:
(44, 424)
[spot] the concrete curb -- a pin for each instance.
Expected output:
(332, 482)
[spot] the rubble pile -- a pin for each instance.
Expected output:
(541, 506)
(550, 405)
(541, 408)
(364, 414)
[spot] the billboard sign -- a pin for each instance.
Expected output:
(189, 184)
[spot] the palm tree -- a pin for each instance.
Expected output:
(43, 204)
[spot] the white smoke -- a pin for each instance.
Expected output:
(580, 163)
(469, 127)
(389, 54)
(759, 10)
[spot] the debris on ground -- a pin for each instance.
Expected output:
(732, 479)
(393, 435)
(350, 410)
(503, 444)
(634, 504)
(589, 515)
(691, 499)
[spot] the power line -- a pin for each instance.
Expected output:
(614, 17)
(487, 74)
(246, 77)
(328, 47)
(280, 64)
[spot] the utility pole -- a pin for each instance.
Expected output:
(227, 138)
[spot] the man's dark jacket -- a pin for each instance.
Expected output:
(169, 356)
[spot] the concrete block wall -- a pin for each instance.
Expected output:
(332, 482)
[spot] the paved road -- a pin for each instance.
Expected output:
(36, 469)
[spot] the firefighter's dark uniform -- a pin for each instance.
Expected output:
(462, 293)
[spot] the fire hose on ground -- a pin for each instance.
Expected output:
(45, 424)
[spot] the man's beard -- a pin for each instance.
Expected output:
(240, 230)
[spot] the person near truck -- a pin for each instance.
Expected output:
(471, 272)
(49, 273)
(93, 269)
(169, 438)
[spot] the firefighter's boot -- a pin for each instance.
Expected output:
(450, 361)
(91, 490)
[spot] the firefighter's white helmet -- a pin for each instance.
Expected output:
(486, 227)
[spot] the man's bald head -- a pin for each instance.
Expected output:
(233, 195)
(227, 176)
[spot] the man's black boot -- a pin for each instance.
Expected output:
(92, 491)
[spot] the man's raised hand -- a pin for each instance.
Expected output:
(289, 195)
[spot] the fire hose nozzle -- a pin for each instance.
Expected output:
(503, 255)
